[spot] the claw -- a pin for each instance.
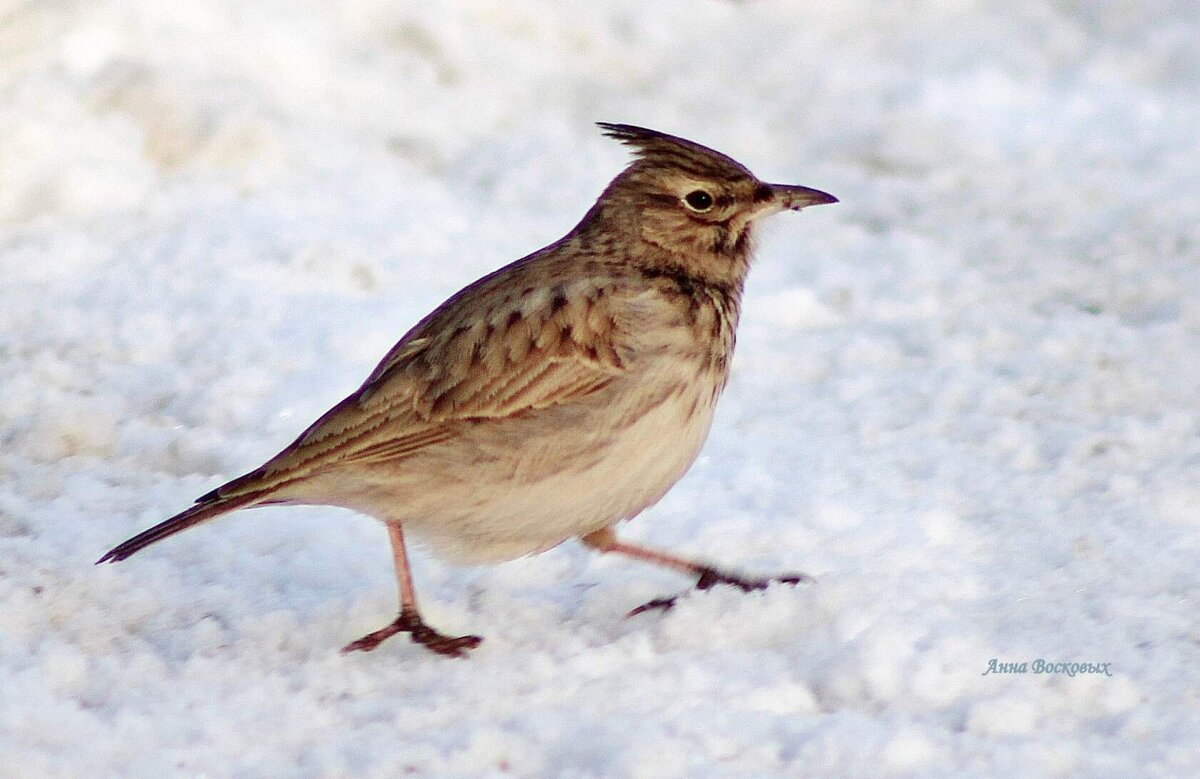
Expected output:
(663, 604)
(410, 622)
(711, 577)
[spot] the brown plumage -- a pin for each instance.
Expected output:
(550, 399)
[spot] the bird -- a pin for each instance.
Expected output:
(550, 400)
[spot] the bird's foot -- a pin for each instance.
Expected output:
(410, 622)
(711, 577)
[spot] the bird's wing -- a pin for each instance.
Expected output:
(464, 365)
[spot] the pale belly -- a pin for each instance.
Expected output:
(510, 512)
(509, 489)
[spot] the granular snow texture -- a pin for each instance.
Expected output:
(965, 398)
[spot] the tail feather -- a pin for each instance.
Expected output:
(209, 507)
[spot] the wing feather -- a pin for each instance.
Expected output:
(458, 366)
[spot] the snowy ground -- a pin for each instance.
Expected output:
(965, 398)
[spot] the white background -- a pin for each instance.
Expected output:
(965, 398)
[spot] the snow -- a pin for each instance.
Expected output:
(964, 398)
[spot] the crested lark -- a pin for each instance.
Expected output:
(550, 399)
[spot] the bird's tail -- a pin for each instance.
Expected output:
(208, 507)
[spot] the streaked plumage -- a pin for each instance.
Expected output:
(550, 399)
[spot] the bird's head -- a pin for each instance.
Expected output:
(695, 203)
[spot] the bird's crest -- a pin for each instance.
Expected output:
(660, 148)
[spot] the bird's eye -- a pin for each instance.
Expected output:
(699, 201)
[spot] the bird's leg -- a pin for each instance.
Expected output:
(707, 576)
(409, 620)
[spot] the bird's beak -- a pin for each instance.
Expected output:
(794, 197)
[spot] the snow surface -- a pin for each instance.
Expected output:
(965, 398)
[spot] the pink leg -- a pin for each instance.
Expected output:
(409, 621)
(606, 541)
